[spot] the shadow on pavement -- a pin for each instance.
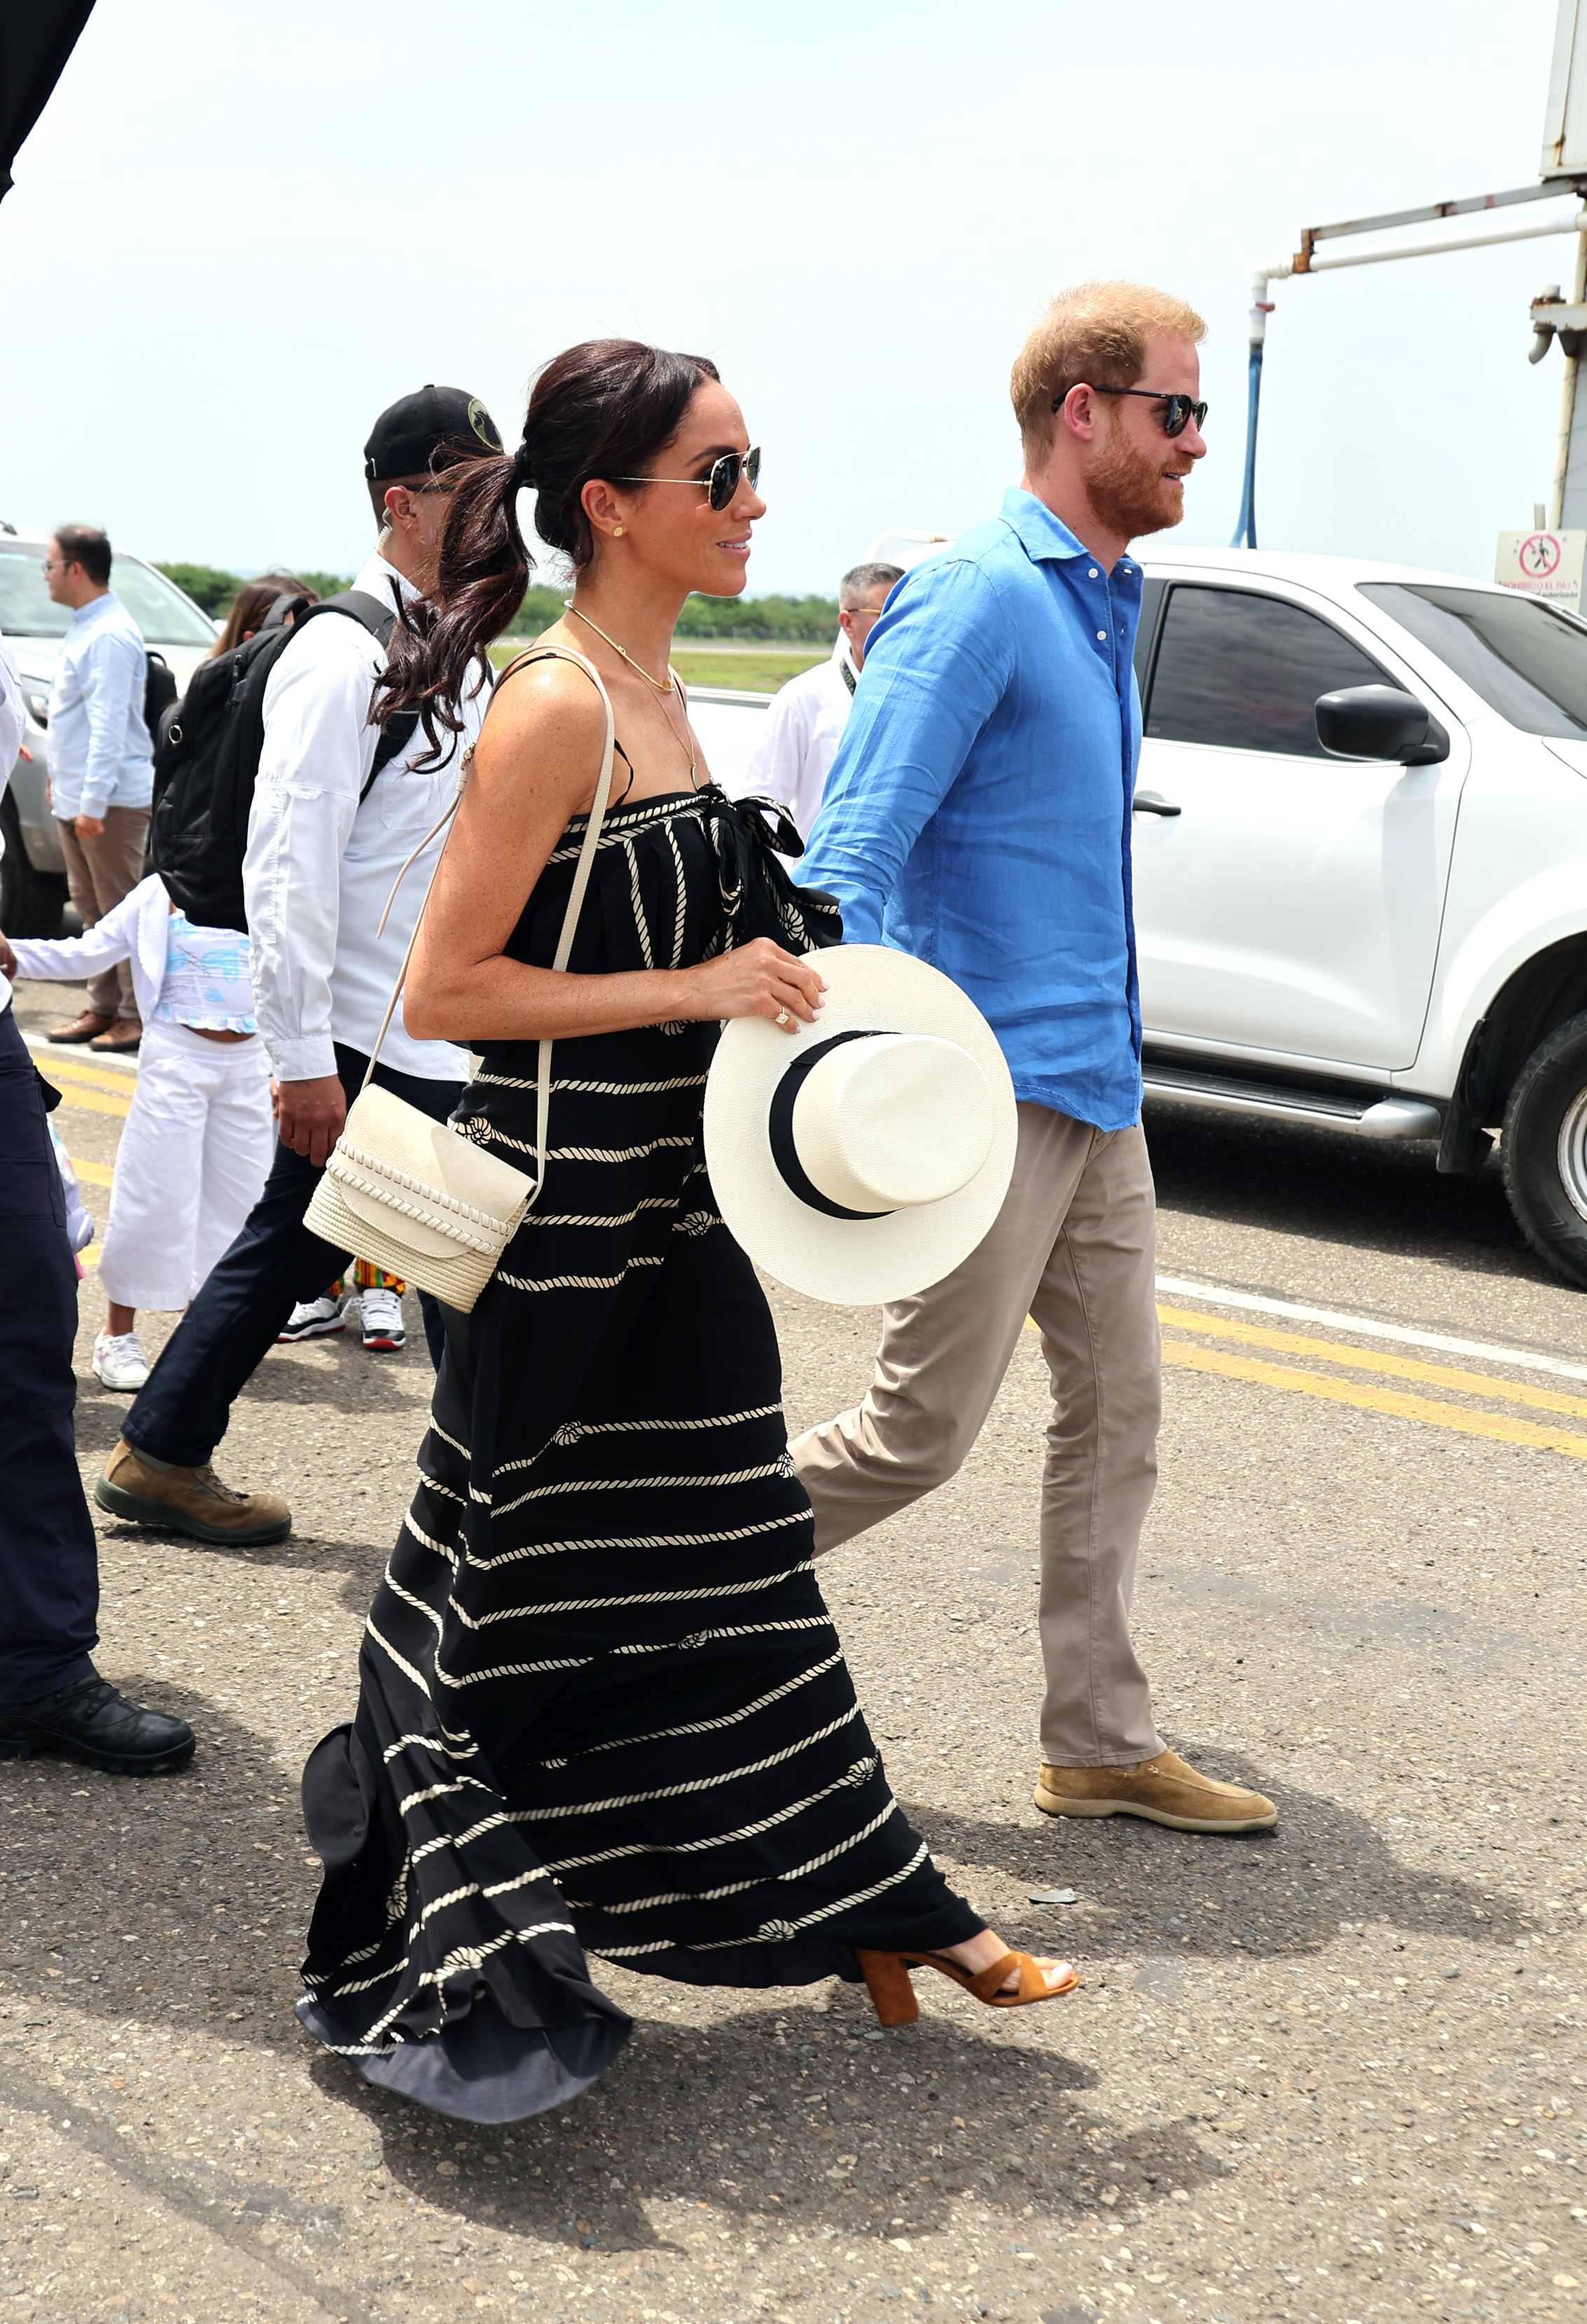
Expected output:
(1322, 1872)
(714, 2116)
(1322, 1184)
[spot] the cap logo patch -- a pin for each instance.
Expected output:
(483, 425)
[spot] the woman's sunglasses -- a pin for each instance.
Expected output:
(723, 482)
(1178, 411)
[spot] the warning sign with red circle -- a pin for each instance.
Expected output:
(1543, 564)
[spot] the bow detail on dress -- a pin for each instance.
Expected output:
(759, 899)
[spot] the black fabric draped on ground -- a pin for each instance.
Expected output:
(603, 1707)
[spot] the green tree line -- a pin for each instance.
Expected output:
(794, 621)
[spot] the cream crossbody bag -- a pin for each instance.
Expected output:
(414, 1196)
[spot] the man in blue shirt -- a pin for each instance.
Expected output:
(101, 764)
(977, 815)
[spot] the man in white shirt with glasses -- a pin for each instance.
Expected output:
(326, 837)
(807, 717)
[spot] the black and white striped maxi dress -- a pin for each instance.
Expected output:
(603, 1708)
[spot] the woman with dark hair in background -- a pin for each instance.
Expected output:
(252, 601)
(602, 1703)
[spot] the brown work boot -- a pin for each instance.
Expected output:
(188, 1500)
(1163, 1790)
(85, 1026)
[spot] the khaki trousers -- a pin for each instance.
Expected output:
(98, 873)
(1074, 1247)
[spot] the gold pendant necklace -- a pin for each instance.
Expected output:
(670, 686)
(666, 685)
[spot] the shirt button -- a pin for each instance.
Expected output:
(1092, 575)
(1102, 637)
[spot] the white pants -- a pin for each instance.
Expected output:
(191, 1163)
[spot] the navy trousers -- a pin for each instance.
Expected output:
(181, 1414)
(49, 1557)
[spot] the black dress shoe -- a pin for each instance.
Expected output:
(91, 1722)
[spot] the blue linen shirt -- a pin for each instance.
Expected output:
(100, 754)
(978, 813)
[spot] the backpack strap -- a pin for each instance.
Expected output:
(564, 943)
(379, 620)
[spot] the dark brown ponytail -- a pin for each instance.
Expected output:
(603, 409)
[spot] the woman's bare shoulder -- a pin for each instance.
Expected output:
(550, 709)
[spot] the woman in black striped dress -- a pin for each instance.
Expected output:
(603, 1707)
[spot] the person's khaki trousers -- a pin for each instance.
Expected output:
(98, 873)
(1074, 1247)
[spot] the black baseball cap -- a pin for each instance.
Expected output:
(431, 429)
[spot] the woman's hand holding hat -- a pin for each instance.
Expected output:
(756, 980)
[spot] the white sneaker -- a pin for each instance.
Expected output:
(383, 1321)
(120, 1362)
(312, 1319)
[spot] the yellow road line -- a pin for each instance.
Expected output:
(94, 1077)
(1437, 1414)
(77, 1101)
(1365, 1359)
(93, 1174)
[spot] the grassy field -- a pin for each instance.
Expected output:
(752, 669)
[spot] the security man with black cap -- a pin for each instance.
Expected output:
(324, 845)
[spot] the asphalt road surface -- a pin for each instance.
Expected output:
(1333, 2072)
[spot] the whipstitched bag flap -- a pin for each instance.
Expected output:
(390, 1154)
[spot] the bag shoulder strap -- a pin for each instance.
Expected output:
(379, 620)
(564, 943)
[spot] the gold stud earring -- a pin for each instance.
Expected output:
(617, 531)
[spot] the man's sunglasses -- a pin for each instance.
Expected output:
(723, 482)
(1178, 411)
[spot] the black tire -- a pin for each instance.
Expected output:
(1544, 1151)
(31, 902)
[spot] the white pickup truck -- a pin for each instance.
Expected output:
(1361, 860)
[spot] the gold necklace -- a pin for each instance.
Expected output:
(671, 687)
(667, 684)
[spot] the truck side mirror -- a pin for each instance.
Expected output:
(1379, 721)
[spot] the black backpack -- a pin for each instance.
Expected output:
(207, 756)
(159, 689)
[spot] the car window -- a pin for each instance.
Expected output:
(158, 608)
(1525, 659)
(1243, 672)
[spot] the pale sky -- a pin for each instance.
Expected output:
(237, 233)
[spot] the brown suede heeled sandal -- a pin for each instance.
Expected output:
(886, 1980)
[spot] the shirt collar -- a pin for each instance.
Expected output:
(1042, 534)
(1046, 538)
(376, 579)
(95, 610)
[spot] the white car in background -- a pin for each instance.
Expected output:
(33, 870)
(1360, 859)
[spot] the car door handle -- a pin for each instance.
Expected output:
(1154, 803)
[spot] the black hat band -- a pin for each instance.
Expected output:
(780, 1127)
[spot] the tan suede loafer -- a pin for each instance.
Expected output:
(188, 1500)
(1163, 1790)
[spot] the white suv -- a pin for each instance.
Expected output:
(1387, 937)
(33, 868)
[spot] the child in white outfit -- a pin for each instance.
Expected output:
(199, 1139)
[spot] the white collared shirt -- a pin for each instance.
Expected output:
(804, 728)
(100, 754)
(319, 866)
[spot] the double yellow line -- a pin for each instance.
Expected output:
(1436, 1412)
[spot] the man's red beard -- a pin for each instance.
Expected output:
(1125, 487)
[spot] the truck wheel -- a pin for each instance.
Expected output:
(1544, 1151)
(31, 902)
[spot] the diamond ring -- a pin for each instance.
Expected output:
(781, 1018)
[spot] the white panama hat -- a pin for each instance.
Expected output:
(862, 1157)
